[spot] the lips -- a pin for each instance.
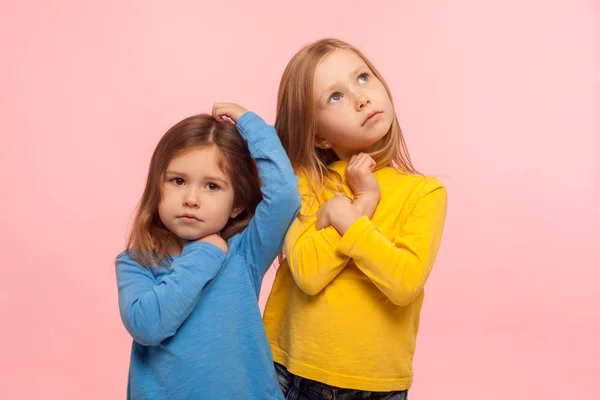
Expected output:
(370, 115)
(189, 217)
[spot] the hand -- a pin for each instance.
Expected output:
(228, 110)
(360, 178)
(337, 212)
(217, 240)
(359, 175)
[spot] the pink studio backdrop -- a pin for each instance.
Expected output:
(499, 99)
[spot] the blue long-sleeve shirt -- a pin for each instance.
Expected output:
(197, 327)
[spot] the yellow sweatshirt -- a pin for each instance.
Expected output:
(344, 310)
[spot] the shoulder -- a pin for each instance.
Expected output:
(430, 192)
(126, 265)
(427, 184)
(312, 185)
(235, 242)
(306, 184)
(237, 251)
(416, 184)
(124, 256)
(126, 260)
(410, 191)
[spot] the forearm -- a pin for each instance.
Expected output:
(153, 311)
(366, 204)
(279, 186)
(399, 270)
(313, 258)
(399, 266)
(343, 216)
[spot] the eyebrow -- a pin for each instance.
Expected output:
(171, 172)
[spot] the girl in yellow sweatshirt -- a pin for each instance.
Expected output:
(343, 315)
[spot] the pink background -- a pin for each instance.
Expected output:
(499, 99)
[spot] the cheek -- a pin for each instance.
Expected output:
(224, 205)
(230, 202)
(331, 123)
(383, 95)
(163, 208)
(168, 201)
(163, 212)
(165, 199)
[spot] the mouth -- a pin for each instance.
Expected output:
(189, 218)
(370, 116)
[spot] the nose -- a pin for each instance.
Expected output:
(191, 199)
(362, 101)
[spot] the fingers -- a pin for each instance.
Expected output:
(329, 207)
(227, 111)
(369, 162)
(221, 110)
(320, 222)
(216, 240)
(361, 162)
(353, 163)
(365, 160)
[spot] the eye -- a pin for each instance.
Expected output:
(363, 78)
(178, 181)
(335, 97)
(212, 186)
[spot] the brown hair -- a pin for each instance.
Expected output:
(296, 121)
(150, 240)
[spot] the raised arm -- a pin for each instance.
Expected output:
(263, 238)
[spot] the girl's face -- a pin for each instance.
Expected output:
(354, 110)
(197, 195)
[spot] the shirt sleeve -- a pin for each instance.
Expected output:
(312, 255)
(263, 238)
(153, 310)
(400, 267)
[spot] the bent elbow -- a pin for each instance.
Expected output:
(144, 333)
(402, 297)
(407, 284)
(146, 339)
(309, 287)
(143, 336)
(309, 283)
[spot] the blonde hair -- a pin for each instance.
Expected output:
(296, 120)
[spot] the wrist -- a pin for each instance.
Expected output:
(343, 217)
(366, 203)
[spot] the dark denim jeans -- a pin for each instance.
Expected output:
(297, 388)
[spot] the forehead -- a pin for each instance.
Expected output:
(198, 162)
(338, 65)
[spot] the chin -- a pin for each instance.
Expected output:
(190, 237)
(379, 137)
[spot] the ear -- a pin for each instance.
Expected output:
(235, 212)
(322, 143)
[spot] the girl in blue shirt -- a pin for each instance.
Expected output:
(217, 204)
